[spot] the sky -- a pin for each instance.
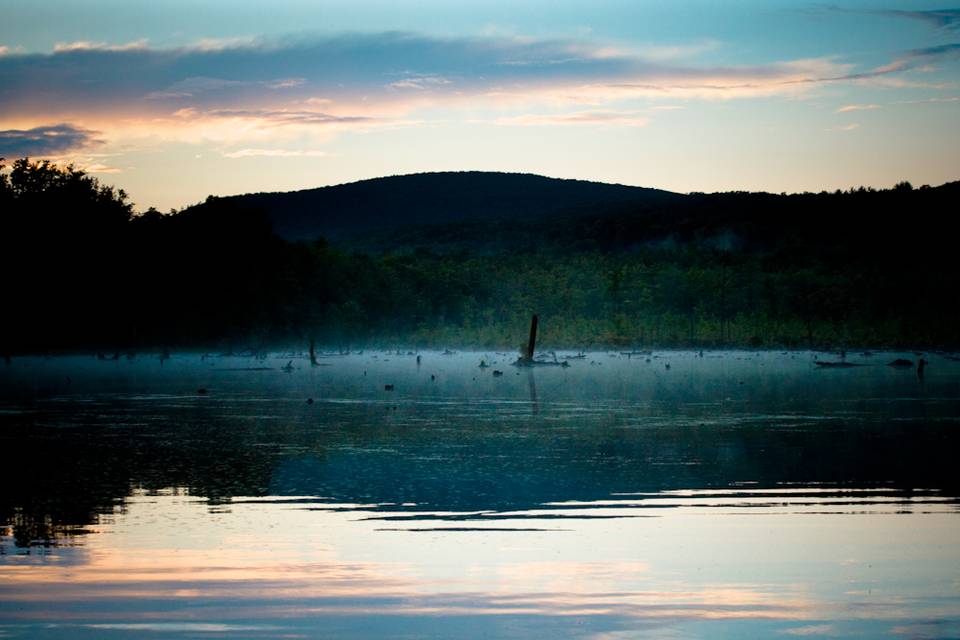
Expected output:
(176, 100)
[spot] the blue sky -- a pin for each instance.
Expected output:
(176, 100)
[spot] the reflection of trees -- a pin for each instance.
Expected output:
(61, 479)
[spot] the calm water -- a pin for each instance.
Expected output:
(736, 495)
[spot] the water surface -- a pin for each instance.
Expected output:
(737, 494)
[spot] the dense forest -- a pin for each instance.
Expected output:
(425, 199)
(862, 267)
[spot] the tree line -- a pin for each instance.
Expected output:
(83, 271)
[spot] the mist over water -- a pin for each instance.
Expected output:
(737, 494)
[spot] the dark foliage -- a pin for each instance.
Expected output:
(433, 198)
(860, 267)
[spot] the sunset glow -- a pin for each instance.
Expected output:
(748, 95)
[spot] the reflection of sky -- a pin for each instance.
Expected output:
(174, 101)
(172, 563)
(507, 515)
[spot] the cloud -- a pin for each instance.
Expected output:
(945, 19)
(50, 140)
(85, 45)
(857, 107)
(286, 83)
(580, 118)
(296, 92)
(419, 82)
(846, 127)
(943, 100)
(279, 118)
(916, 58)
(85, 77)
(274, 153)
(948, 19)
(810, 630)
(393, 72)
(678, 51)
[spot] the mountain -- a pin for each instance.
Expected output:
(383, 204)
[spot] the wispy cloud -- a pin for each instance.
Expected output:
(912, 60)
(274, 153)
(917, 58)
(857, 107)
(44, 141)
(419, 82)
(278, 118)
(86, 45)
(939, 18)
(580, 118)
(944, 100)
(363, 72)
(846, 127)
(946, 19)
(810, 630)
(267, 96)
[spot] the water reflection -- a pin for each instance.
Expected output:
(749, 494)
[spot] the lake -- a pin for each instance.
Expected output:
(729, 495)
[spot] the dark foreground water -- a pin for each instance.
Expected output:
(735, 495)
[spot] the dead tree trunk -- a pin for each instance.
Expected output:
(532, 344)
